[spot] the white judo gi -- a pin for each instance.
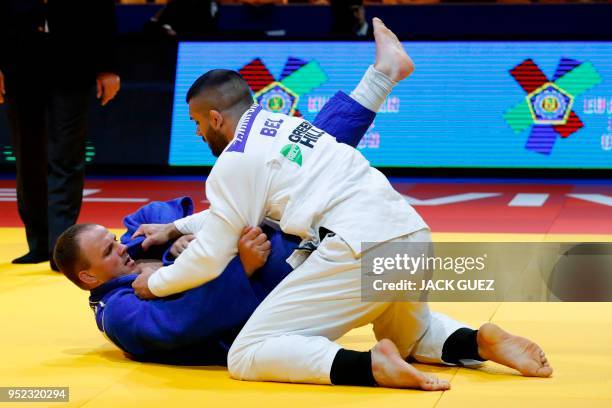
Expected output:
(284, 168)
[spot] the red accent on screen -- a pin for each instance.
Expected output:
(573, 124)
(256, 74)
(529, 75)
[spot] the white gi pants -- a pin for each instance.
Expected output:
(289, 337)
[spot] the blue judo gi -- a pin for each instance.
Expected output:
(197, 327)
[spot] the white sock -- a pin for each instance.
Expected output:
(373, 89)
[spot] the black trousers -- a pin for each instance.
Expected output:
(48, 128)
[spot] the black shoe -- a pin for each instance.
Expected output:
(53, 265)
(30, 258)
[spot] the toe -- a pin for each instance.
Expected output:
(545, 371)
(434, 384)
(442, 385)
(535, 369)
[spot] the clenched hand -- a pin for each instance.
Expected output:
(253, 248)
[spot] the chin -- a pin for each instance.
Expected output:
(122, 271)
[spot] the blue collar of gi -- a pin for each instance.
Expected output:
(98, 293)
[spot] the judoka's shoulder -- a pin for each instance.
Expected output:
(129, 321)
(121, 306)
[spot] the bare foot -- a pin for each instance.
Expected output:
(390, 370)
(391, 58)
(516, 352)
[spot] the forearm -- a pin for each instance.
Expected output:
(191, 224)
(202, 261)
(233, 207)
(193, 268)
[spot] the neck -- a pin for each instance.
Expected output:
(234, 117)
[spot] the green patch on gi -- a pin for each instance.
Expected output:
(293, 153)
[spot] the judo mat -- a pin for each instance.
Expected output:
(48, 336)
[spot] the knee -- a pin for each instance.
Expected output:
(238, 360)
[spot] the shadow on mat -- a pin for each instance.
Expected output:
(91, 357)
(40, 269)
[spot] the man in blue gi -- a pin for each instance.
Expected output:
(193, 328)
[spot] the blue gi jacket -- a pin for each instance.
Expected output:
(197, 327)
(194, 327)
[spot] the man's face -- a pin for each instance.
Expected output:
(107, 257)
(214, 137)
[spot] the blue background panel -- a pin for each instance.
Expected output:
(449, 113)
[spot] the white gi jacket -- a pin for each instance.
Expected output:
(284, 168)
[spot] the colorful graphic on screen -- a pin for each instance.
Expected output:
(298, 77)
(468, 104)
(547, 108)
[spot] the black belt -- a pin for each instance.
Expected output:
(311, 246)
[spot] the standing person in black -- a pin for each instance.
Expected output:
(52, 53)
(349, 19)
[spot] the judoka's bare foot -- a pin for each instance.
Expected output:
(391, 58)
(390, 370)
(516, 352)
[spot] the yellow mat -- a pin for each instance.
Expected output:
(48, 337)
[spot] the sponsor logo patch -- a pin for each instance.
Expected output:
(293, 153)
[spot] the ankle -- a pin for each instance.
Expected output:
(373, 89)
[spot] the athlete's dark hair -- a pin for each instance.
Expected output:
(224, 90)
(67, 253)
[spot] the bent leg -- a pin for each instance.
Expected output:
(290, 336)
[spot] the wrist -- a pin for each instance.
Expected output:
(172, 232)
(248, 268)
(249, 271)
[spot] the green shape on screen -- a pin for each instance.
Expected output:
(579, 79)
(305, 79)
(519, 117)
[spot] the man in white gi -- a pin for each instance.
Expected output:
(280, 167)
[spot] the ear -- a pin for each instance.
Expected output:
(87, 278)
(216, 119)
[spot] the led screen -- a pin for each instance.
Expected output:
(468, 104)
